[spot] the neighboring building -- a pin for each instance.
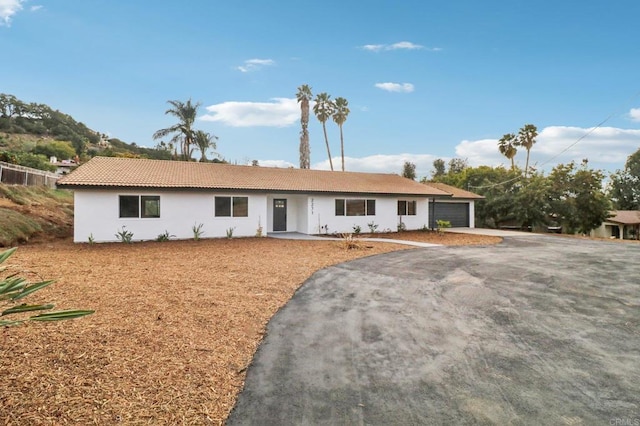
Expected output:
(622, 224)
(62, 167)
(459, 209)
(150, 197)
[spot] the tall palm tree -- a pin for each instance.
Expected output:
(204, 141)
(507, 147)
(304, 96)
(183, 133)
(324, 109)
(526, 139)
(340, 116)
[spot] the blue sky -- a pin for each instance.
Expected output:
(424, 80)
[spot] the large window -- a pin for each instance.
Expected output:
(355, 207)
(231, 206)
(145, 206)
(407, 208)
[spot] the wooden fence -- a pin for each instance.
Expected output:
(12, 174)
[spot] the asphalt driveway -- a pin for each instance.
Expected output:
(536, 330)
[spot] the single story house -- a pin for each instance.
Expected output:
(151, 197)
(459, 209)
(622, 224)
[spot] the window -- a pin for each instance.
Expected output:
(231, 206)
(145, 206)
(355, 207)
(407, 208)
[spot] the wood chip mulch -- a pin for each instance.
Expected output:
(175, 328)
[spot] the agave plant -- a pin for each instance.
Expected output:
(13, 288)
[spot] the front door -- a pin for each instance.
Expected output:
(279, 214)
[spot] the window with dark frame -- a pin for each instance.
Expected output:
(407, 208)
(139, 206)
(355, 207)
(231, 206)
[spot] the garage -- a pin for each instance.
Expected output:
(456, 213)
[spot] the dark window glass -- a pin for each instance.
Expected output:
(223, 206)
(411, 208)
(371, 207)
(355, 208)
(150, 205)
(339, 207)
(402, 208)
(240, 206)
(129, 206)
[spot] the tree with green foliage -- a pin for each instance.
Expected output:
(439, 168)
(624, 187)
(304, 97)
(59, 149)
(204, 141)
(14, 288)
(457, 165)
(324, 109)
(576, 197)
(527, 138)
(339, 117)
(507, 147)
(183, 131)
(409, 170)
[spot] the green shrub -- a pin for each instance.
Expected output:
(442, 225)
(124, 236)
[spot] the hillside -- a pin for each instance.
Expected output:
(30, 133)
(34, 214)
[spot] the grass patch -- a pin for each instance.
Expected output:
(16, 227)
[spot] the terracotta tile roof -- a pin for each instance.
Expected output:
(455, 192)
(110, 172)
(625, 217)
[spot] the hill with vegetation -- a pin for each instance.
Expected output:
(34, 213)
(31, 133)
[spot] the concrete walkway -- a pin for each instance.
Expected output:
(530, 331)
(492, 232)
(299, 236)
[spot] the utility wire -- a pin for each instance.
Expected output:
(593, 129)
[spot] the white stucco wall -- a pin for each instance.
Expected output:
(97, 214)
(322, 213)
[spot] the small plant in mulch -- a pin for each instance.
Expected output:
(349, 242)
(442, 225)
(13, 288)
(197, 231)
(91, 240)
(230, 232)
(373, 227)
(402, 227)
(124, 236)
(357, 229)
(165, 236)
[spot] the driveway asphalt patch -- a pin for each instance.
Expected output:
(536, 330)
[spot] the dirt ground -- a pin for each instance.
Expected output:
(176, 325)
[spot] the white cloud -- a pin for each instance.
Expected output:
(401, 45)
(275, 163)
(634, 114)
(396, 87)
(282, 112)
(35, 8)
(381, 163)
(255, 64)
(605, 146)
(404, 45)
(8, 8)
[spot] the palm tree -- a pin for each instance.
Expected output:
(186, 113)
(507, 147)
(204, 141)
(527, 138)
(340, 116)
(323, 109)
(304, 96)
